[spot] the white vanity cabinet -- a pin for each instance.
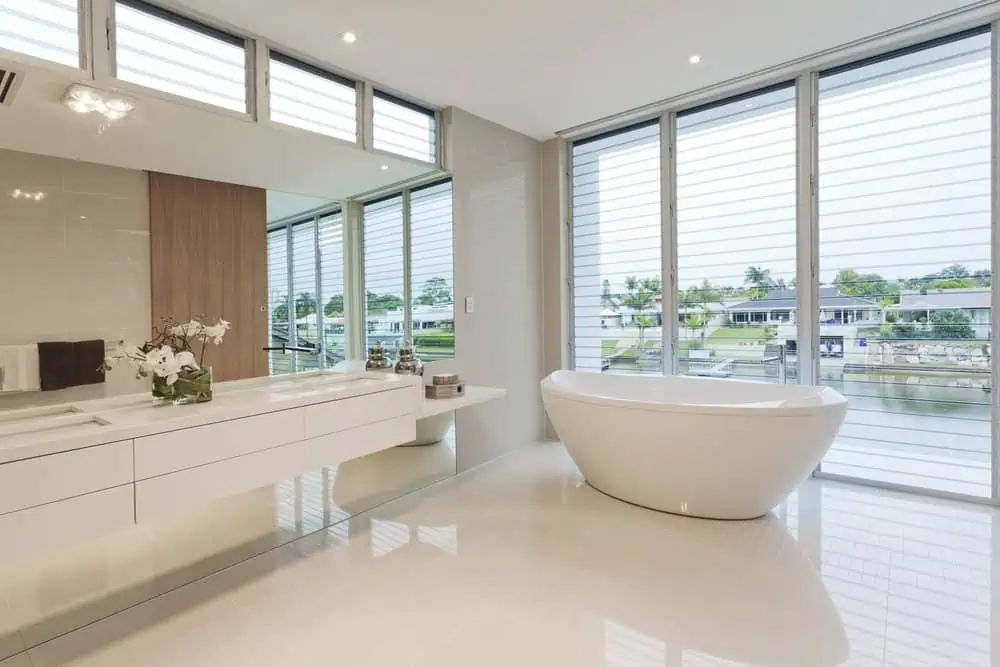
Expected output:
(52, 501)
(57, 492)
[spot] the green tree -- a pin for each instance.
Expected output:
(435, 292)
(305, 304)
(379, 304)
(954, 271)
(705, 293)
(951, 283)
(643, 322)
(335, 306)
(758, 281)
(870, 285)
(640, 292)
(950, 324)
(279, 316)
(983, 278)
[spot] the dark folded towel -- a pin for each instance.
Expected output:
(55, 365)
(62, 365)
(88, 356)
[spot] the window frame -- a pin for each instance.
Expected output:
(247, 44)
(287, 226)
(433, 114)
(278, 55)
(84, 61)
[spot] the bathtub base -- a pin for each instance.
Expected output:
(690, 515)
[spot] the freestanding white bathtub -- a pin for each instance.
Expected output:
(711, 448)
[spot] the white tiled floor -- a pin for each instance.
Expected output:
(520, 563)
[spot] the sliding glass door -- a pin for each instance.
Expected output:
(904, 257)
(736, 305)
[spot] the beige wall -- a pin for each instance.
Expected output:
(555, 255)
(497, 207)
(75, 265)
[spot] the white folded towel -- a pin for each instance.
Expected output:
(20, 368)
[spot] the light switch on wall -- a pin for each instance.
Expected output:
(470, 305)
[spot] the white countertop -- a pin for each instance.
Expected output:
(75, 425)
(473, 396)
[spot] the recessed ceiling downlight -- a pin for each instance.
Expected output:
(385, 167)
(695, 59)
(348, 37)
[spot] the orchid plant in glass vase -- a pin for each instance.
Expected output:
(175, 360)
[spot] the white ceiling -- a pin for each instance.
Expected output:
(176, 138)
(539, 66)
(281, 205)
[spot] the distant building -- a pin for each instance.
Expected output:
(779, 307)
(918, 306)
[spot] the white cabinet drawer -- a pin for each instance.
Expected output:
(188, 448)
(349, 413)
(45, 479)
(333, 449)
(183, 490)
(60, 524)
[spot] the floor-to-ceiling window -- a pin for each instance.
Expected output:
(383, 272)
(432, 311)
(736, 175)
(904, 264)
(873, 178)
(305, 275)
(409, 270)
(617, 281)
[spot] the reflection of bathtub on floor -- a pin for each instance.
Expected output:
(720, 449)
(737, 591)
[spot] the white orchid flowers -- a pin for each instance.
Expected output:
(165, 363)
(171, 352)
(198, 330)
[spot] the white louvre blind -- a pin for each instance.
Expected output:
(46, 29)
(277, 297)
(304, 294)
(383, 271)
(331, 266)
(309, 98)
(404, 128)
(160, 50)
(431, 272)
(904, 190)
(617, 289)
(736, 185)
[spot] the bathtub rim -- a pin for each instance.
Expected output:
(830, 399)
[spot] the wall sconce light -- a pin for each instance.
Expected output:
(84, 99)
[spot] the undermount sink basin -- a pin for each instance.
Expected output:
(32, 414)
(59, 424)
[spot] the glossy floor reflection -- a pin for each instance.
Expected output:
(520, 563)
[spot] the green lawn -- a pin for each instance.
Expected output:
(726, 335)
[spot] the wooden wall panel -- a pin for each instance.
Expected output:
(208, 244)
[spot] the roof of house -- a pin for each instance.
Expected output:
(785, 299)
(972, 297)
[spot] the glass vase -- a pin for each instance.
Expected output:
(190, 387)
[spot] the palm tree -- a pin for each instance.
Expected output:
(758, 280)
